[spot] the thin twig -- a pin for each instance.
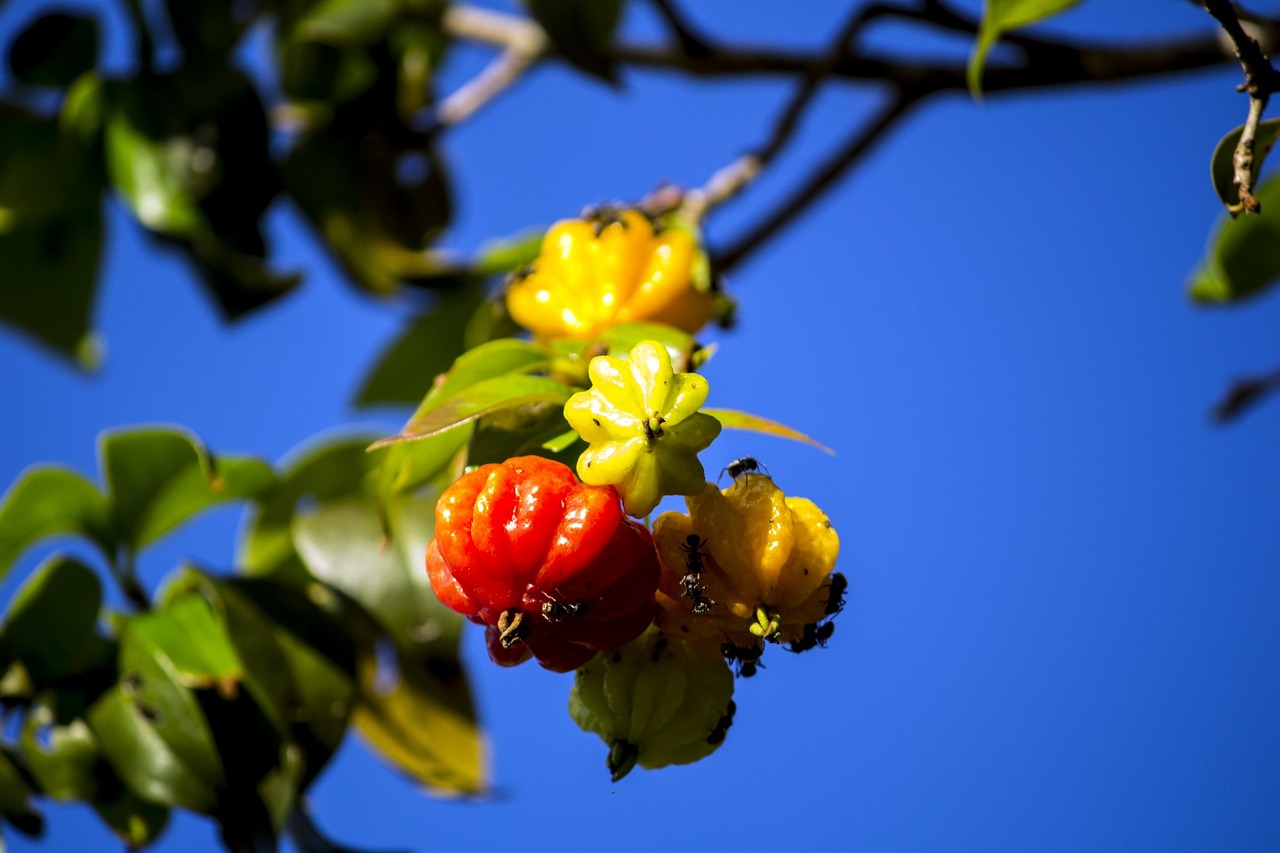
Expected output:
(1244, 394)
(820, 180)
(524, 43)
(691, 42)
(1260, 80)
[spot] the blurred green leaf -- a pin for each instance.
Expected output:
(152, 730)
(159, 178)
(54, 50)
(48, 502)
(195, 642)
(52, 623)
(206, 30)
(346, 22)
(581, 31)
(427, 347)
(159, 478)
(1222, 165)
(505, 256)
(998, 18)
(331, 470)
(15, 794)
(81, 113)
(50, 233)
(136, 822)
(63, 759)
(483, 398)
(409, 465)
(1244, 254)
(731, 419)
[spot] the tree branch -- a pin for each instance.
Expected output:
(691, 42)
(523, 41)
(1244, 394)
(1260, 81)
(818, 182)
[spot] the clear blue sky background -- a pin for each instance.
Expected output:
(1063, 620)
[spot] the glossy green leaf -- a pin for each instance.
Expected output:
(63, 758)
(54, 50)
(427, 347)
(483, 398)
(158, 478)
(343, 545)
(52, 623)
(998, 18)
(193, 640)
(581, 31)
(1243, 258)
(15, 795)
(331, 470)
(731, 419)
(153, 732)
(51, 502)
(1222, 165)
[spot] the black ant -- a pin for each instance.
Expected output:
(835, 594)
(746, 659)
(743, 465)
(722, 725)
(558, 611)
(814, 635)
(692, 581)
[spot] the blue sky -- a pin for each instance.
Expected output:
(1061, 630)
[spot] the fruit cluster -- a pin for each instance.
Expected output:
(559, 566)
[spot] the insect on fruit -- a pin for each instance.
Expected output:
(745, 659)
(744, 465)
(815, 634)
(835, 594)
(722, 725)
(692, 581)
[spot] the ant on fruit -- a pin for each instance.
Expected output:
(558, 611)
(744, 465)
(745, 659)
(835, 594)
(815, 634)
(692, 580)
(722, 725)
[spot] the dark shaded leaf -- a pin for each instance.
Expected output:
(63, 758)
(308, 838)
(52, 623)
(54, 50)
(49, 502)
(136, 822)
(1244, 394)
(15, 794)
(159, 478)
(525, 432)
(345, 22)
(207, 30)
(581, 31)
(1244, 254)
(1222, 165)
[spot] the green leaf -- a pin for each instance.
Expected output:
(52, 623)
(66, 768)
(409, 465)
(194, 641)
(54, 50)
(346, 23)
(483, 398)
(581, 31)
(1222, 165)
(331, 470)
(731, 419)
(503, 357)
(531, 431)
(1244, 254)
(427, 347)
(50, 502)
(159, 178)
(505, 256)
(159, 478)
(136, 822)
(153, 732)
(998, 18)
(15, 794)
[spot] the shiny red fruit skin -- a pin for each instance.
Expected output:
(526, 537)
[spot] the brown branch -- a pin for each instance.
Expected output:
(1260, 81)
(691, 41)
(818, 182)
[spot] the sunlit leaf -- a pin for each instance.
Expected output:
(54, 50)
(160, 178)
(63, 758)
(731, 419)
(1244, 254)
(50, 502)
(51, 625)
(483, 398)
(158, 478)
(1222, 165)
(998, 18)
(194, 641)
(345, 22)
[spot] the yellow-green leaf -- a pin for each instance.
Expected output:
(731, 419)
(1000, 16)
